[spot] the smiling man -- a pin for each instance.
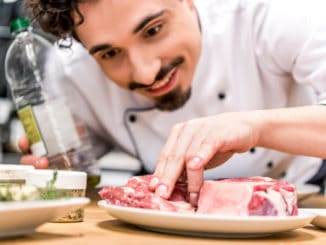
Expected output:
(198, 81)
(146, 54)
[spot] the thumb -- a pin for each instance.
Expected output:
(23, 144)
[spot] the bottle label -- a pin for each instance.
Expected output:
(50, 128)
(32, 130)
(57, 126)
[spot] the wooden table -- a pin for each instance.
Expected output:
(100, 228)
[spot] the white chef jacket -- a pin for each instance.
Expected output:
(256, 54)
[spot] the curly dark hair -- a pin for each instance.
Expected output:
(55, 16)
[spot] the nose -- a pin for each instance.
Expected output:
(144, 67)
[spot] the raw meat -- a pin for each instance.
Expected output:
(254, 196)
(260, 196)
(137, 194)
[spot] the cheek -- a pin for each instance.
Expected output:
(118, 75)
(185, 45)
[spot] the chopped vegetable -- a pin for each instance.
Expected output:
(15, 192)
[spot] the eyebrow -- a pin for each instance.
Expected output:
(147, 19)
(139, 27)
(99, 47)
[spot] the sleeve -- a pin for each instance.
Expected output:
(292, 41)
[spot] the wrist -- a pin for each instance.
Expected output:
(261, 125)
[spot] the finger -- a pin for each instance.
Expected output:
(23, 144)
(162, 160)
(175, 163)
(210, 152)
(193, 198)
(195, 176)
(194, 185)
(28, 160)
(195, 168)
(42, 163)
(196, 161)
(169, 177)
(37, 162)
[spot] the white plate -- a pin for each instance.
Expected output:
(320, 219)
(207, 225)
(306, 190)
(21, 218)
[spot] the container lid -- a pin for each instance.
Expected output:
(66, 179)
(18, 25)
(14, 171)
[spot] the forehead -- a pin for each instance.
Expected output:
(110, 16)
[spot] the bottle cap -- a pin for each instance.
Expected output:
(18, 25)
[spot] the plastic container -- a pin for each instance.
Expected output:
(71, 183)
(14, 173)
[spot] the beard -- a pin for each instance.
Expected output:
(173, 100)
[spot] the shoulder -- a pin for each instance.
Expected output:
(76, 52)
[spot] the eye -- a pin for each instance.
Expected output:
(153, 30)
(110, 54)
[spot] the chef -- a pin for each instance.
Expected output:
(189, 85)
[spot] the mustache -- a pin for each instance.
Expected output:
(160, 75)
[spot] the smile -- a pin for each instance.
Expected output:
(164, 85)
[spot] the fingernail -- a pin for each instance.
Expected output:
(193, 198)
(162, 190)
(154, 181)
(194, 163)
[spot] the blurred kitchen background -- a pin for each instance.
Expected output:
(10, 127)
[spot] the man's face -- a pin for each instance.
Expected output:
(149, 46)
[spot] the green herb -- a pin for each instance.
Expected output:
(50, 192)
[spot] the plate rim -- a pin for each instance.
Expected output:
(27, 205)
(305, 214)
(310, 189)
(317, 211)
(25, 225)
(247, 225)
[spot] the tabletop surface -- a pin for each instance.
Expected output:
(100, 228)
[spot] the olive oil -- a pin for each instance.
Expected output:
(93, 180)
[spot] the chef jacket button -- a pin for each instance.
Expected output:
(132, 118)
(253, 150)
(221, 95)
(270, 164)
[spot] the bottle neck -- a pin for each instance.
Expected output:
(22, 32)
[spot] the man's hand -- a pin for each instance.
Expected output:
(29, 159)
(201, 144)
